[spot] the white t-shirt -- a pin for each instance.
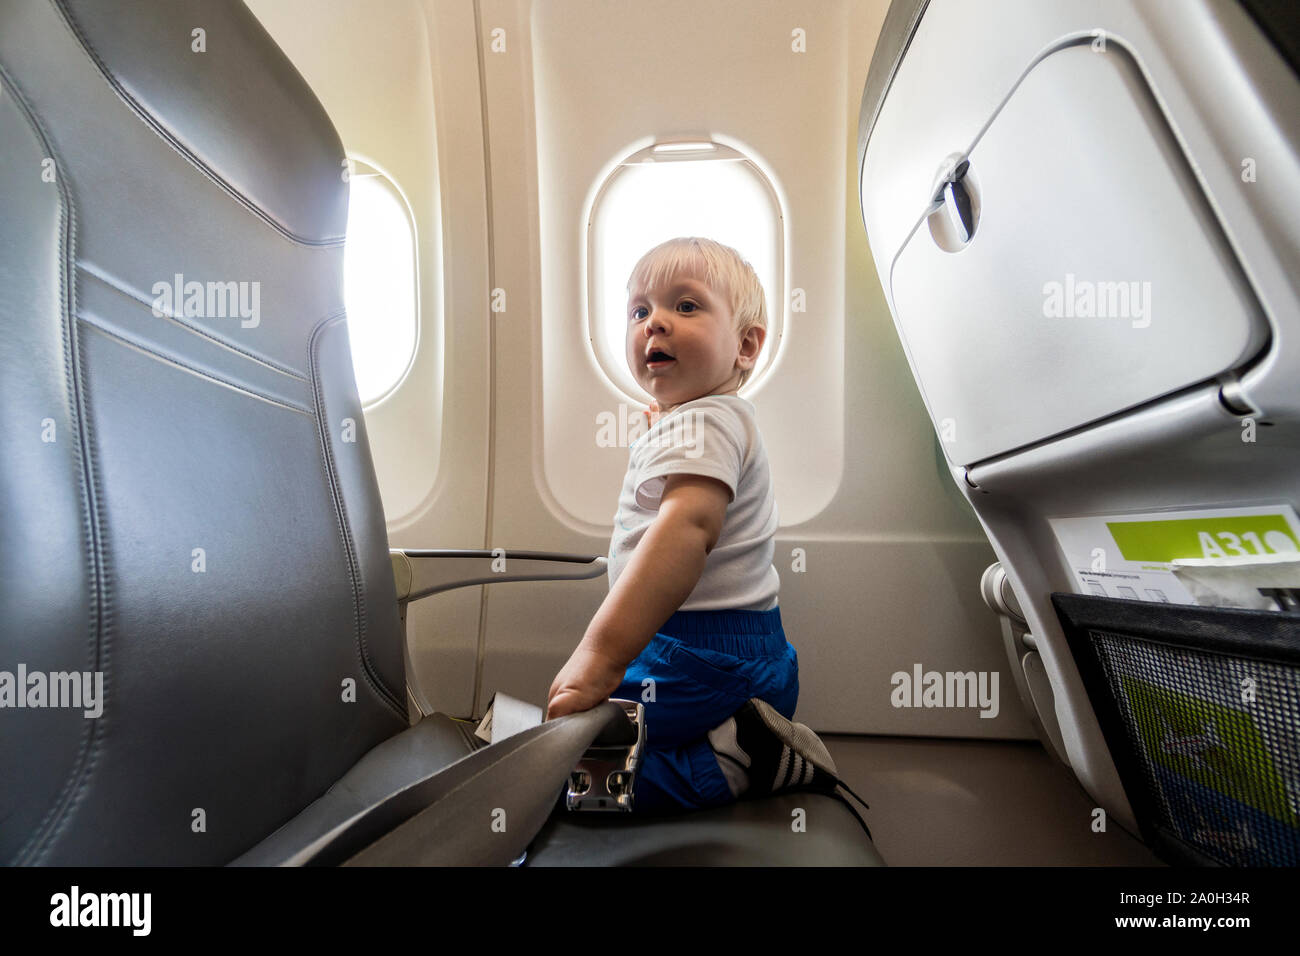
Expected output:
(716, 436)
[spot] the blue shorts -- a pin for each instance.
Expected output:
(695, 673)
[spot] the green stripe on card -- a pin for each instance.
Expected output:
(1203, 537)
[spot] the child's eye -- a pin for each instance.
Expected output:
(689, 306)
(636, 313)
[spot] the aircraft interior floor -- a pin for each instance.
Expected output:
(956, 802)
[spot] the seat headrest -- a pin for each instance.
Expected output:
(212, 83)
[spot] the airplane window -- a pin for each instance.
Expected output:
(679, 189)
(379, 282)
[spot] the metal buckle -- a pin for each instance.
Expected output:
(606, 774)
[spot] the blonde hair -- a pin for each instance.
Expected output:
(720, 267)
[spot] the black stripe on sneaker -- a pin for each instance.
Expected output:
(782, 769)
(796, 761)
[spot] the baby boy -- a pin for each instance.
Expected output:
(691, 626)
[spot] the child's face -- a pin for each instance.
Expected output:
(691, 322)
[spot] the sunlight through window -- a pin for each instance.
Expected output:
(379, 283)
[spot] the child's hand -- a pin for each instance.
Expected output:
(652, 415)
(585, 681)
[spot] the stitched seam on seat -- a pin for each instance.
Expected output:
(41, 841)
(368, 669)
(179, 147)
(472, 739)
(180, 321)
(172, 360)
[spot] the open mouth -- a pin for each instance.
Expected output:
(659, 359)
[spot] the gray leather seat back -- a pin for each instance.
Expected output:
(190, 511)
(1116, 143)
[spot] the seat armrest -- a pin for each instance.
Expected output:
(489, 805)
(401, 809)
(418, 574)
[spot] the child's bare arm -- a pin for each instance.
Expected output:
(660, 576)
